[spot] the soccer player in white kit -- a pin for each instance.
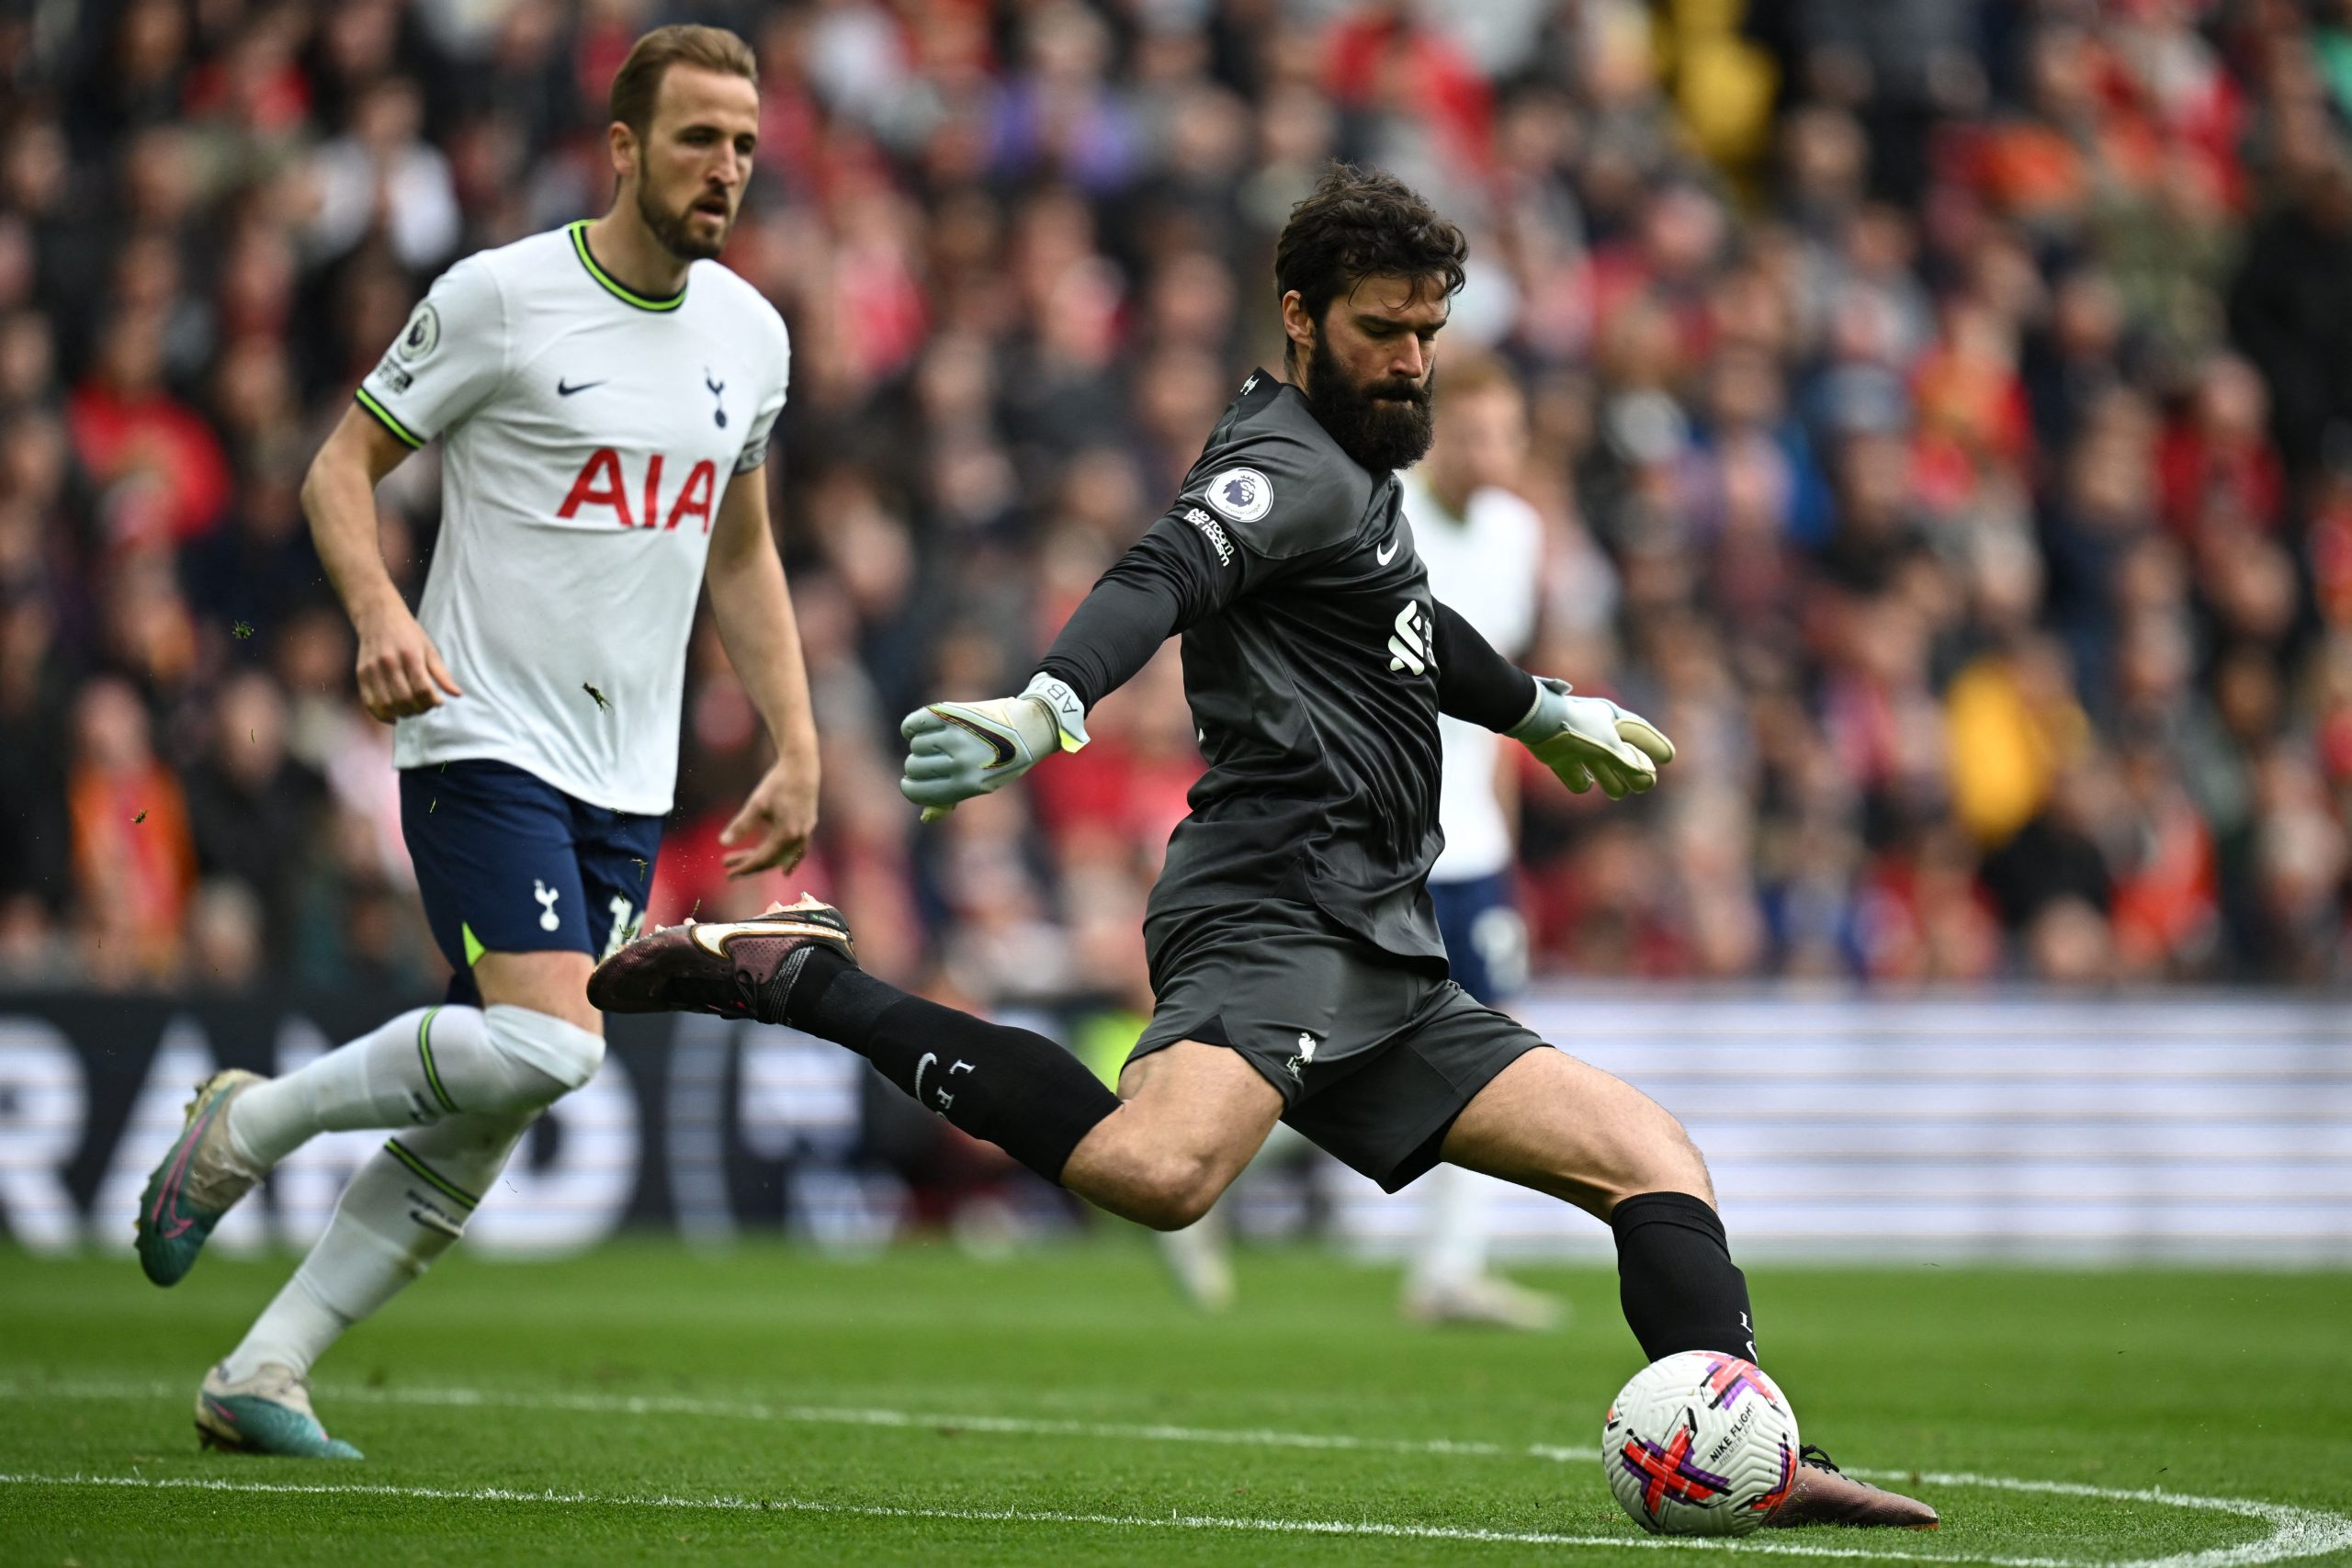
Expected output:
(603, 395)
(1483, 547)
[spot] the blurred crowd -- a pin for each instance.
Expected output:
(1940, 411)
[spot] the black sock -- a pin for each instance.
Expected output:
(1676, 1279)
(1018, 1090)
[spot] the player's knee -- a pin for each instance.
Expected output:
(1176, 1190)
(1671, 1162)
(1172, 1211)
(553, 1058)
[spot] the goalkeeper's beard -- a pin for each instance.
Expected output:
(1385, 426)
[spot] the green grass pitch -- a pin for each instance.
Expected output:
(648, 1404)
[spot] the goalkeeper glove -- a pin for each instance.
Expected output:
(1588, 739)
(959, 750)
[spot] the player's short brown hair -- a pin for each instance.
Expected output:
(1361, 223)
(639, 81)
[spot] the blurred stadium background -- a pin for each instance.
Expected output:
(1943, 426)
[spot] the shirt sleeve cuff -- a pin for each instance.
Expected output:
(387, 419)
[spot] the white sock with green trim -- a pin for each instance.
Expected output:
(405, 1208)
(422, 1066)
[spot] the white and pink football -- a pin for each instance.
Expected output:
(1700, 1443)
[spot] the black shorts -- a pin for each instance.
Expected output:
(1374, 1058)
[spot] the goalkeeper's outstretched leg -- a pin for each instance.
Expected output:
(1184, 1123)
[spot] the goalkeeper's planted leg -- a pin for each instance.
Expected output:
(1560, 1126)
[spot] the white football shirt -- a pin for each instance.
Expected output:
(1484, 564)
(588, 433)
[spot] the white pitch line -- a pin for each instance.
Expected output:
(2295, 1532)
(830, 1416)
(1173, 1520)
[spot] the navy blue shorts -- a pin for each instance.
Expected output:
(1485, 939)
(507, 863)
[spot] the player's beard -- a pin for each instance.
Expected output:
(1385, 426)
(670, 228)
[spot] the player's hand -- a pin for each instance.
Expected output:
(400, 670)
(774, 825)
(956, 750)
(1587, 740)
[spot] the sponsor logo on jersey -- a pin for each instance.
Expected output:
(1388, 553)
(601, 483)
(1411, 646)
(564, 388)
(1244, 495)
(422, 334)
(393, 376)
(1215, 532)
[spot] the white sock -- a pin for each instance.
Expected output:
(406, 1207)
(419, 1068)
(1452, 1248)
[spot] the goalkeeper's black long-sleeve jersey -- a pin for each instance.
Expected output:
(1316, 663)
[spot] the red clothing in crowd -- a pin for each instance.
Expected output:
(2194, 472)
(1378, 61)
(134, 860)
(116, 434)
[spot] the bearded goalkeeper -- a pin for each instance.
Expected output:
(1298, 968)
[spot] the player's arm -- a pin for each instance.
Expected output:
(1583, 740)
(1169, 578)
(753, 609)
(450, 357)
(400, 670)
(1212, 548)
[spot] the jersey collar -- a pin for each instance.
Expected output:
(613, 286)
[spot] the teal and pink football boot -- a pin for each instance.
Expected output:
(200, 1178)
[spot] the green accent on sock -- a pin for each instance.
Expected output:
(474, 948)
(431, 1073)
(426, 1173)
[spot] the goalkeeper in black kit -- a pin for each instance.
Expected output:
(1294, 957)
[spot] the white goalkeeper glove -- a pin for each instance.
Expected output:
(956, 750)
(1585, 739)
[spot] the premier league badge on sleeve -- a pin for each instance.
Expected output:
(1242, 494)
(421, 333)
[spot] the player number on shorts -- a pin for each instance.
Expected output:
(627, 922)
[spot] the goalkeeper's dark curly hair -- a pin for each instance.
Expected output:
(1363, 223)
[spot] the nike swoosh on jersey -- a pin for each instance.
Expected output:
(562, 390)
(1384, 557)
